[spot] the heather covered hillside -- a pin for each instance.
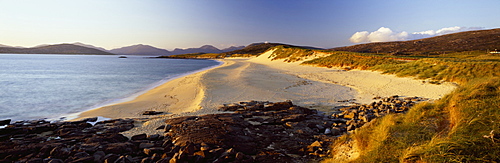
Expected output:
(482, 40)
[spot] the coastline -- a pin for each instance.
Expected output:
(261, 79)
(140, 101)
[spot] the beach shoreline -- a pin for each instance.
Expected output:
(260, 79)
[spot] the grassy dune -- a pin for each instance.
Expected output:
(461, 127)
(464, 126)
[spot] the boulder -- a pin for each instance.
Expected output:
(5, 122)
(151, 113)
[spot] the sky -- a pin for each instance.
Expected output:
(173, 24)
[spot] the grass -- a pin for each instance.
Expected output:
(457, 67)
(353, 60)
(447, 69)
(454, 129)
(291, 54)
(463, 126)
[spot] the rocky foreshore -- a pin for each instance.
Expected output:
(253, 131)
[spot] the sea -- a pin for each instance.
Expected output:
(58, 87)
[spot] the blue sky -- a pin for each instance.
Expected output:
(192, 23)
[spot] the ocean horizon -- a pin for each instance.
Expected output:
(59, 87)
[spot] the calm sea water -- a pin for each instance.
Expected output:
(35, 86)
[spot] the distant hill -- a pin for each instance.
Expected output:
(89, 46)
(5, 46)
(54, 49)
(233, 48)
(463, 41)
(257, 48)
(202, 49)
(140, 49)
(250, 50)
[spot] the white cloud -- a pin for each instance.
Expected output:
(381, 35)
(386, 34)
(359, 37)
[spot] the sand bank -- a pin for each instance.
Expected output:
(264, 80)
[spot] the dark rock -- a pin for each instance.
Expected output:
(153, 150)
(119, 148)
(162, 127)
(35, 160)
(5, 122)
(140, 137)
(125, 159)
(94, 119)
(151, 113)
(110, 158)
(99, 156)
(83, 159)
(255, 132)
(55, 161)
(153, 137)
(60, 152)
(146, 145)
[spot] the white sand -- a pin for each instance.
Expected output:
(368, 84)
(263, 80)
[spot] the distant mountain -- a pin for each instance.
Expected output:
(202, 49)
(141, 50)
(463, 41)
(233, 48)
(89, 46)
(5, 46)
(54, 49)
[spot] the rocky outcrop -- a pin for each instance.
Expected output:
(253, 131)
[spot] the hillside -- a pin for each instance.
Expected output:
(89, 46)
(482, 40)
(54, 49)
(250, 50)
(258, 48)
(140, 49)
(204, 49)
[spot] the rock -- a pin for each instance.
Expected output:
(168, 127)
(280, 132)
(55, 161)
(146, 145)
(328, 131)
(366, 118)
(315, 144)
(84, 159)
(119, 148)
(125, 159)
(153, 150)
(94, 119)
(110, 158)
(139, 137)
(5, 122)
(349, 115)
(99, 156)
(153, 137)
(162, 127)
(151, 113)
(351, 127)
(336, 131)
(60, 152)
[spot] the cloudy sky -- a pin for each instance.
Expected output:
(192, 23)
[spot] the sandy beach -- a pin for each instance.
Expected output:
(261, 79)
